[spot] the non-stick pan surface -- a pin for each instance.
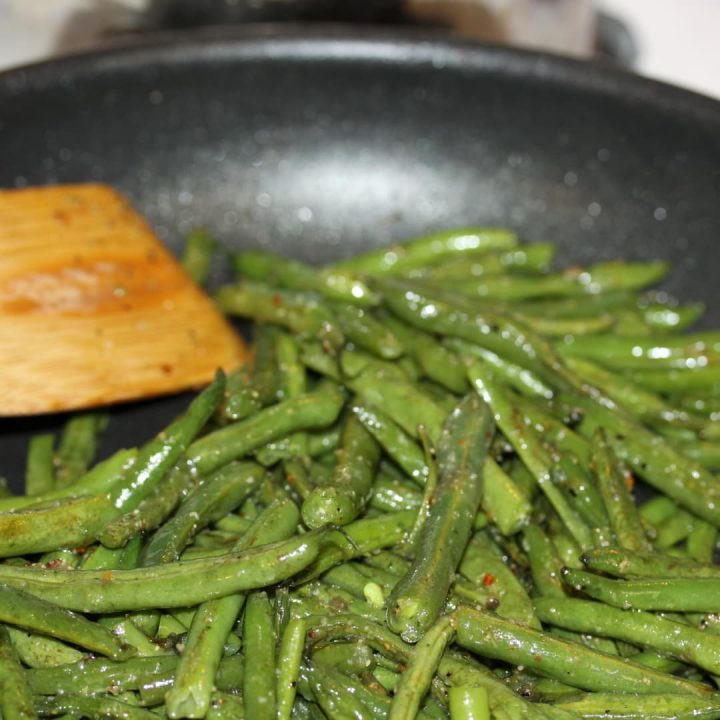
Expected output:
(320, 143)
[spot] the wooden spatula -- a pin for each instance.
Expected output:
(94, 309)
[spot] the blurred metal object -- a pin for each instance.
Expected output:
(561, 26)
(191, 13)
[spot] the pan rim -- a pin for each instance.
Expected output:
(344, 44)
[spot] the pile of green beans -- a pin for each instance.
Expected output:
(420, 499)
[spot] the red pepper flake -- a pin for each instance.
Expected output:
(106, 576)
(488, 579)
(277, 300)
(53, 564)
(629, 481)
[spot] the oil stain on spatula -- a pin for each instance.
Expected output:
(94, 309)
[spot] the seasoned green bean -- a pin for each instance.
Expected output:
(643, 629)
(39, 467)
(429, 250)
(348, 490)
(333, 283)
(573, 664)
(16, 701)
(418, 598)
(220, 494)
(176, 584)
(77, 447)
(197, 254)
(312, 411)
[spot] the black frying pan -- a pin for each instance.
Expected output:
(320, 143)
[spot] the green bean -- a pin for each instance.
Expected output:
(334, 284)
(197, 254)
(259, 640)
(504, 501)
(651, 457)
(683, 351)
(298, 477)
(344, 497)
(491, 330)
(39, 651)
(577, 306)
(392, 494)
(394, 440)
(313, 410)
(213, 621)
(360, 537)
(668, 594)
(72, 522)
(153, 510)
(434, 360)
(417, 676)
(419, 597)
(226, 706)
(428, 494)
(591, 280)
(601, 644)
(289, 659)
(350, 578)
(400, 399)
(702, 541)
(39, 467)
(544, 562)
(429, 250)
(644, 629)
(618, 500)
(528, 258)
(336, 695)
(515, 427)
(562, 327)
(221, 493)
(314, 356)
(657, 510)
(96, 675)
(90, 707)
(656, 661)
(668, 318)
(641, 403)
(702, 378)
(315, 598)
(641, 707)
(350, 658)
(626, 563)
(302, 313)
(365, 331)
(293, 383)
(177, 584)
(15, 697)
(484, 566)
(514, 375)
(240, 398)
(159, 455)
(568, 474)
(98, 480)
(706, 454)
(33, 614)
(571, 663)
(673, 530)
(77, 448)
(469, 703)
(265, 380)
